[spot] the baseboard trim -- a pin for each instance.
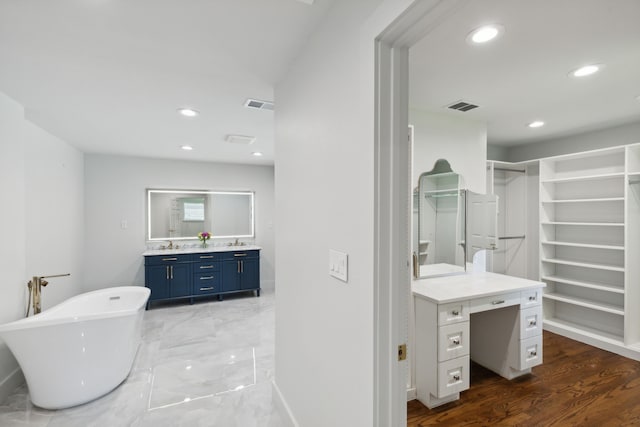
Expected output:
(281, 406)
(14, 380)
(411, 394)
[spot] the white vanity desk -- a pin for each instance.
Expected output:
(494, 319)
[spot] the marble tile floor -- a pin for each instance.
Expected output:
(206, 364)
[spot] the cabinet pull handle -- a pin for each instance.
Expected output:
(533, 353)
(171, 271)
(455, 312)
(532, 298)
(169, 259)
(456, 341)
(241, 266)
(206, 277)
(456, 377)
(238, 267)
(532, 323)
(501, 301)
(239, 254)
(206, 266)
(210, 288)
(167, 267)
(206, 256)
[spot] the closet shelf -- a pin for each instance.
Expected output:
(590, 285)
(594, 224)
(554, 324)
(583, 264)
(603, 199)
(585, 178)
(445, 190)
(607, 308)
(583, 245)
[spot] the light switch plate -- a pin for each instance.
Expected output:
(338, 265)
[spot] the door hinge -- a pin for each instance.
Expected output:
(402, 352)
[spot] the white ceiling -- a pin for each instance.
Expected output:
(522, 76)
(108, 75)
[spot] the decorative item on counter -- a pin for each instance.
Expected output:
(203, 236)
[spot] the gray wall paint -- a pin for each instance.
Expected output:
(497, 152)
(611, 137)
(115, 192)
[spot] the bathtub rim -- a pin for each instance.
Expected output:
(42, 320)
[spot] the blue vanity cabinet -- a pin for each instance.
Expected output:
(241, 271)
(202, 273)
(168, 276)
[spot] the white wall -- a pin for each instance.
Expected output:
(115, 191)
(41, 212)
(462, 142)
(611, 137)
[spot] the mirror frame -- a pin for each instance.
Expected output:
(151, 191)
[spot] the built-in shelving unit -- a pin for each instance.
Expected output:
(587, 241)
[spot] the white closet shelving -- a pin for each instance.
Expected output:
(587, 206)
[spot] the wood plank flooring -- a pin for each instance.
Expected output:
(577, 385)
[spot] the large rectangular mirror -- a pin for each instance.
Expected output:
(182, 214)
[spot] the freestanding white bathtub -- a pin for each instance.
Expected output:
(80, 349)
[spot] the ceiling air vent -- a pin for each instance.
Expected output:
(462, 106)
(258, 105)
(240, 139)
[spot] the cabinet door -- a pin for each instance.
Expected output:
(230, 275)
(180, 278)
(250, 273)
(157, 279)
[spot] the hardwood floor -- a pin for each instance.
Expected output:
(577, 385)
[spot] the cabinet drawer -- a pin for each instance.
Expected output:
(204, 267)
(530, 352)
(240, 254)
(453, 376)
(453, 313)
(207, 257)
(530, 298)
(493, 302)
(206, 283)
(453, 341)
(167, 259)
(530, 322)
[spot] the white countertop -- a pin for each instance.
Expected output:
(200, 249)
(442, 290)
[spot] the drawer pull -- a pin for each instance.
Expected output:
(206, 278)
(455, 312)
(239, 254)
(169, 259)
(456, 341)
(206, 256)
(206, 266)
(532, 323)
(456, 377)
(533, 353)
(501, 301)
(210, 288)
(532, 298)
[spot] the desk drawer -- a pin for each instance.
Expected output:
(453, 313)
(453, 376)
(453, 341)
(530, 352)
(531, 298)
(530, 322)
(494, 302)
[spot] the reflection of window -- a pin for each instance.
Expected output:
(192, 209)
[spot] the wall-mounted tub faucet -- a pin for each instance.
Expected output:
(35, 291)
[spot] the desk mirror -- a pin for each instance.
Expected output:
(439, 213)
(182, 214)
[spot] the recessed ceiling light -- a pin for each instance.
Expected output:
(187, 147)
(188, 112)
(536, 124)
(485, 34)
(587, 70)
(256, 153)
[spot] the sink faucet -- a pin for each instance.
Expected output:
(236, 243)
(170, 246)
